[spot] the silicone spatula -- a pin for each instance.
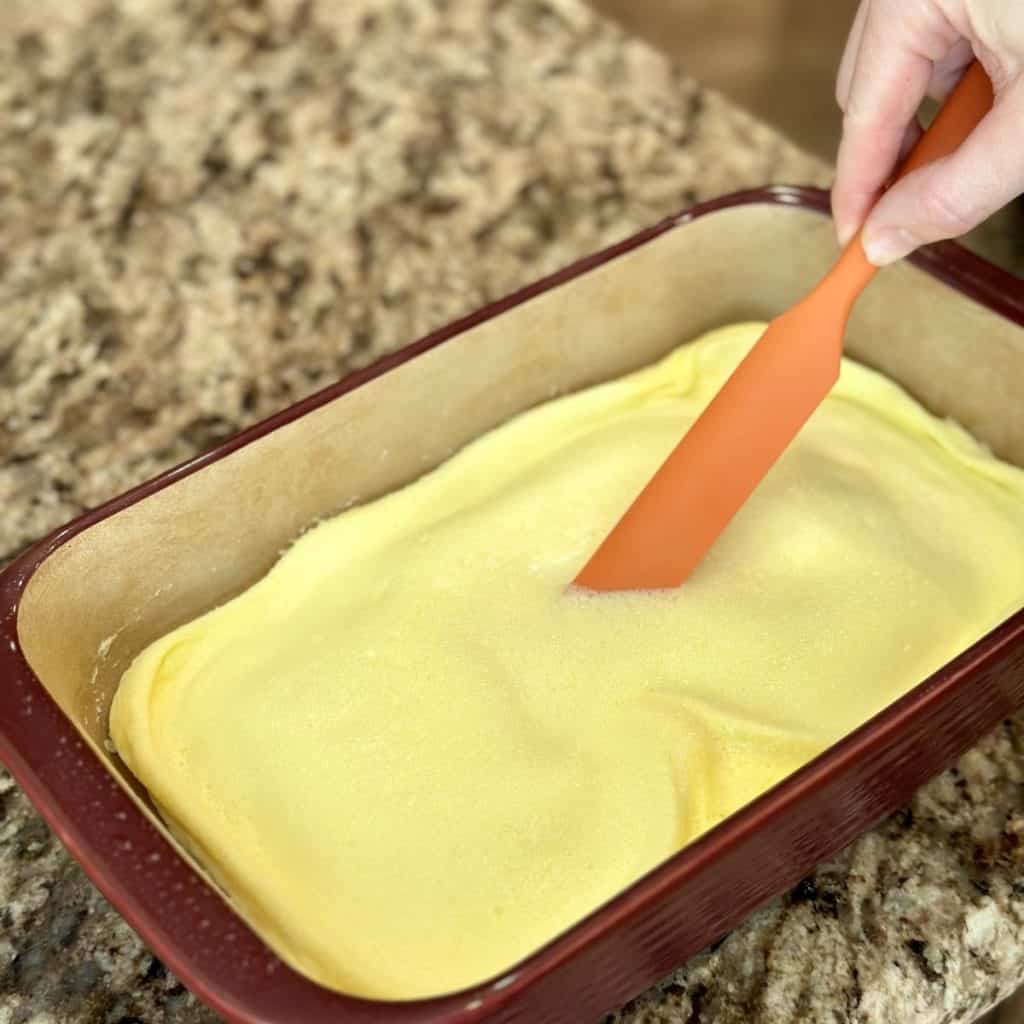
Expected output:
(762, 406)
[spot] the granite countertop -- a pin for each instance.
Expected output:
(210, 209)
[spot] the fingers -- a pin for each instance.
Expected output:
(948, 71)
(911, 137)
(846, 65)
(892, 71)
(953, 195)
(945, 74)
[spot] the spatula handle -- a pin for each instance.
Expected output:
(963, 110)
(966, 105)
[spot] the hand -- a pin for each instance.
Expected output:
(898, 52)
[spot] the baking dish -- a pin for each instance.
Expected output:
(78, 606)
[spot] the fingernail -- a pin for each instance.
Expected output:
(889, 245)
(844, 232)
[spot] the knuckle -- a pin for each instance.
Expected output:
(855, 117)
(841, 92)
(945, 210)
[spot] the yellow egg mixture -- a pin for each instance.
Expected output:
(412, 757)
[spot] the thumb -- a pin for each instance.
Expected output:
(951, 196)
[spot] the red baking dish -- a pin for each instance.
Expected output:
(76, 608)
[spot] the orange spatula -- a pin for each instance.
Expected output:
(704, 482)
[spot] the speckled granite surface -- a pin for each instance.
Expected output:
(209, 209)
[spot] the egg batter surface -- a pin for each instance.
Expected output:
(412, 758)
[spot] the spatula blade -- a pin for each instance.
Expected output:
(723, 457)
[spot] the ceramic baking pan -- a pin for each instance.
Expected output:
(76, 608)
